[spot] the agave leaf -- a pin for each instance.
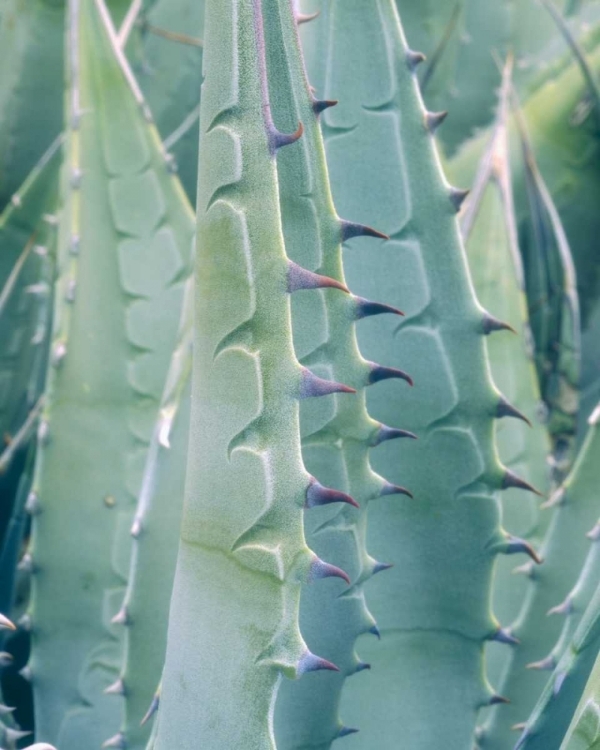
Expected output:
(563, 137)
(553, 308)
(489, 229)
(31, 36)
(123, 251)
(576, 511)
(461, 39)
(27, 232)
(28, 360)
(338, 437)
(169, 69)
(155, 530)
(430, 656)
(242, 542)
(584, 732)
(557, 704)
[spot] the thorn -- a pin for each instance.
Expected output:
(457, 197)
(527, 569)
(4, 710)
(317, 494)
(379, 567)
(414, 58)
(547, 664)
(394, 489)
(504, 409)
(118, 741)
(43, 432)
(515, 545)
(320, 569)
(504, 635)
(350, 229)
(365, 308)
(361, 666)
(122, 617)
(136, 528)
(374, 630)
(151, 710)
(512, 480)
(320, 105)
(309, 662)
(26, 564)
(519, 727)
(379, 372)
(279, 140)
(117, 688)
(559, 681)
(495, 699)
(492, 324)
(564, 608)
(434, 119)
(594, 534)
(306, 17)
(313, 386)
(6, 659)
(24, 622)
(556, 498)
(299, 278)
(390, 433)
(345, 731)
(32, 504)
(26, 673)
(59, 352)
(7, 624)
(76, 176)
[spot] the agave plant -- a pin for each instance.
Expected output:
(228, 520)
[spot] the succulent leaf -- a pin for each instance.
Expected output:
(544, 638)
(245, 469)
(155, 531)
(489, 229)
(557, 705)
(123, 250)
(449, 536)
